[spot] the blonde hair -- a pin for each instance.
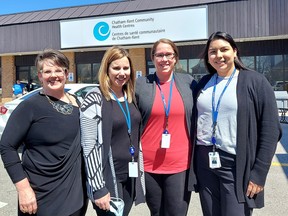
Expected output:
(112, 54)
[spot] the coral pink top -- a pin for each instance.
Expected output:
(176, 158)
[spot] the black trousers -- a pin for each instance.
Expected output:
(217, 186)
(167, 194)
(126, 190)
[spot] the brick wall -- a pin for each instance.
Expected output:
(8, 77)
(72, 69)
(138, 59)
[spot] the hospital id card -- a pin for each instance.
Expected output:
(133, 169)
(165, 141)
(214, 160)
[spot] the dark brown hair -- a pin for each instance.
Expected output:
(223, 36)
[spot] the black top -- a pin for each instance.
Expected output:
(120, 141)
(51, 158)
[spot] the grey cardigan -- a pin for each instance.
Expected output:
(145, 94)
(258, 132)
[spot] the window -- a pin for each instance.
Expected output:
(249, 61)
(87, 73)
(25, 73)
(96, 67)
(84, 73)
(197, 68)
(182, 66)
(271, 67)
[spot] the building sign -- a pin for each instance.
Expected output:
(138, 28)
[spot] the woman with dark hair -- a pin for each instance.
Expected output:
(237, 131)
(224, 36)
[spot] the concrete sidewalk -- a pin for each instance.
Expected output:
(276, 189)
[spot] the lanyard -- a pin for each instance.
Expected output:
(216, 111)
(166, 108)
(128, 122)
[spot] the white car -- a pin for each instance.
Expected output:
(78, 89)
(280, 86)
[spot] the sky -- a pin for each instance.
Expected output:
(18, 6)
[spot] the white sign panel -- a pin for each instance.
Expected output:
(70, 77)
(138, 74)
(141, 28)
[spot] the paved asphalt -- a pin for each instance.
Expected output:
(276, 189)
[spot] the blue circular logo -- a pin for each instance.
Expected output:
(101, 31)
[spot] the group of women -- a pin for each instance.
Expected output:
(153, 140)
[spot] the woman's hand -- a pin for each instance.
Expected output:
(27, 197)
(104, 202)
(253, 189)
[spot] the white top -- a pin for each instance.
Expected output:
(226, 129)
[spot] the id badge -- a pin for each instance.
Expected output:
(214, 160)
(165, 142)
(133, 169)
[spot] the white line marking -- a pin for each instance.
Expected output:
(2, 204)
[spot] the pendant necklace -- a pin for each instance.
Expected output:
(65, 109)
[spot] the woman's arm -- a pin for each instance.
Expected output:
(92, 143)
(13, 137)
(269, 132)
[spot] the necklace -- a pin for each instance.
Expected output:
(65, 109)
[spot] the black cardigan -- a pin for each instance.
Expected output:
(258, 131)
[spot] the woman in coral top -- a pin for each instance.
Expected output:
(165, 101)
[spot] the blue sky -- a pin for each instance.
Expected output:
(18, 6)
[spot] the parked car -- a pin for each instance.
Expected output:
(281, 86)
(79, 90)
(24, 85)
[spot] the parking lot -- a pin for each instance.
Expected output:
(276, 189)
